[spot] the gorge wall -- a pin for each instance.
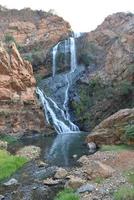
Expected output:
(19, 110)
(107, 85)
(35, 33)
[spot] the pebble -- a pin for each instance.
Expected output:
(12, 181)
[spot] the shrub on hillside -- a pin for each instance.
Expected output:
(9, 38)
(129, 131)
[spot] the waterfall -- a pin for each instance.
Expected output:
(59, 115)
(54, 53)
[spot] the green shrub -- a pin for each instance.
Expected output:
(130, 176)
(124, 87)
(8, 138)
(129, 131)
(124, 193)
(67, 195)
(9, 38)
(38, 78)
(9, 164)
(99, 180)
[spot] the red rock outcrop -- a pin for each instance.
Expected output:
(36, 32)
(112, 129)
(19, 109)
(115, 37)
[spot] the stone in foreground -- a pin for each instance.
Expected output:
(61, 173)
(30, 152)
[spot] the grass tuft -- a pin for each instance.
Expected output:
(9, 164)
(67, 195)
(124, 193)
(130, 176)
(116, 148)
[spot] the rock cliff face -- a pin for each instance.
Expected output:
(19, 110)
(115, 38)
(107, 85)
(35, 32)
(112, 129)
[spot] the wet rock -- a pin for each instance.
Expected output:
(91, 146)
(50, 181)
(61, 173)
(11, 182)
(97, 169)
(74, 182)
(42, 164)
(83, 160)
(30, 152)
(3, 144)
(75, 156)
(1, 197)
(86, 188)
(46, 172)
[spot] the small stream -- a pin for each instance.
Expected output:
(62, 150)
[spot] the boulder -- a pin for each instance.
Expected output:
(11, 182)
(74, 182)
(50, 181)
(61, 173)
(30, 152)
(3, 144)
(86, 188)
(112, 129)
(96, 169)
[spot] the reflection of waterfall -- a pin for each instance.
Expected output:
(58, 113)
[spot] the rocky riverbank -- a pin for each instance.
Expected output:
(96, 176)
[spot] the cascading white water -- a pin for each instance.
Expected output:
(60, 116)
(73, 54)
(54, 52)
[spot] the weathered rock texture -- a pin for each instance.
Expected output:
(35, 31)
(108, 83)
(19, 110)
(114, 38)
(112, 129)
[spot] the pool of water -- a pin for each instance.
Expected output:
(57, 150)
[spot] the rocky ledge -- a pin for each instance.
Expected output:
(113, 129)
(19, 109)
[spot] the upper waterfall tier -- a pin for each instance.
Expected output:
(54, 91)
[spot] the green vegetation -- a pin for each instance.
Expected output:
(9, 139)
(38, 78)
(98, 100)
(129, 131)
(9, 164)
(86, 51)
(117, 148)
(130, 176)
(9, 38)
(99, 180)
(124, 193)
(67, 195)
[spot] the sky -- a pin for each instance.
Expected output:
(83, 15)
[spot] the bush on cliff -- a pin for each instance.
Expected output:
(98, 100)
(9, 38)
(129, 131)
